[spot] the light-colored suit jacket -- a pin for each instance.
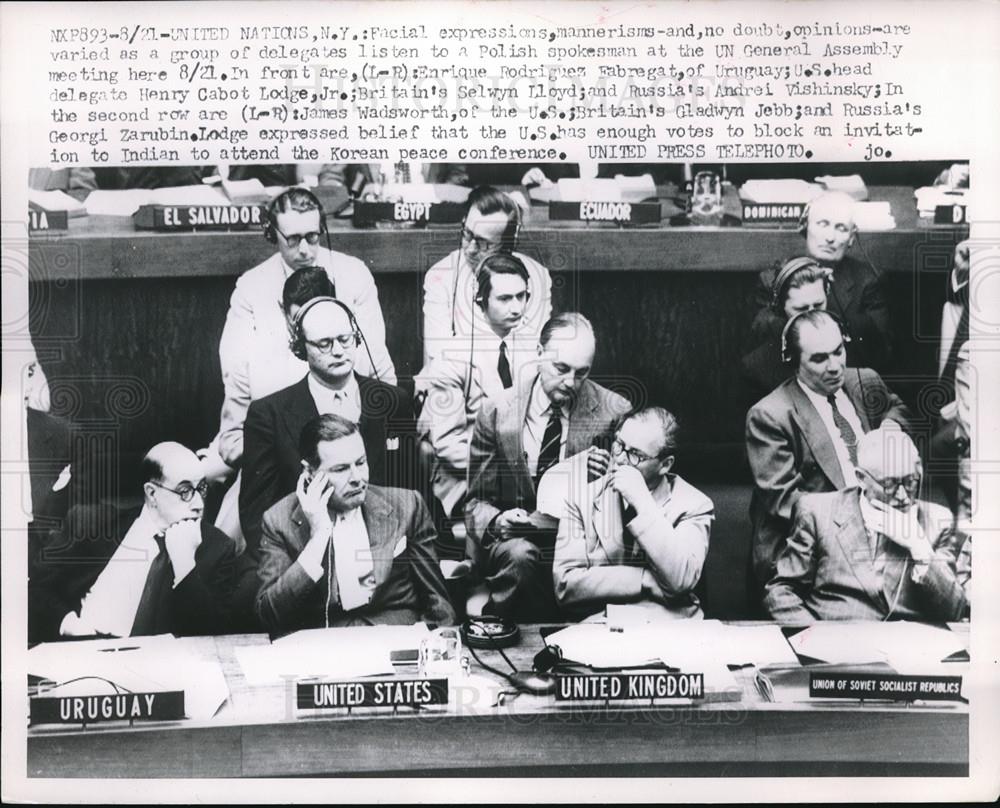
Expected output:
(254, 350)
(409, 586)
(498, 471)
(791, 453)
(591, 568)
(827, 568)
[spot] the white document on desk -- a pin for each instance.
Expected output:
(901, 642)
(756, 645)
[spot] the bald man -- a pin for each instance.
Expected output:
(856, 294)
(876, 552)
(158, 570)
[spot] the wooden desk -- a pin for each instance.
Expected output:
(256, 735)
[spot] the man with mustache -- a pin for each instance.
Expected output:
(803, 436)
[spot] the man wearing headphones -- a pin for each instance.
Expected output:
(800, 285)
(856, 293)
(327, 336)
(877, 553)
(491, 225)
(495, 361)
(518, 436)
(802, 437)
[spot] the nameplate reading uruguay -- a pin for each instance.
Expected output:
(166, 705)
(614, 212)
(371, 693)
(367, 214)
(885, 686)
(628, 686)
(199, 217)
(778, 213)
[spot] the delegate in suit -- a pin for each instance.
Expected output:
(871, 554)
(802, 437)
(162, 570)
(517, 438)
(639, 534)
(339, 552)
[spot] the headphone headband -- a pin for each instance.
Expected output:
(784, 275)
(788, 359)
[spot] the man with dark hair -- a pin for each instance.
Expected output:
(802, 437)
(870, 554)
(325, 336)
(638, 534)
(519, 436)
(158, 570)
(341, 552)
(856, 294)
(494, 362)
(491, 225)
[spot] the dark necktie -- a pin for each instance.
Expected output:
(846, 433)
(960, 296)
(503, 368)
(548, 454)
(152, 615)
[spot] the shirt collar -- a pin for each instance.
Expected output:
(540, 404)
(813, 396)
(142, 530)
(319, 390)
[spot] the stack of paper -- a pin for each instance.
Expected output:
(125, 203)
(852, 185)
(619, 189)
(246, 192)
(901, 642)
(931, 196)
(780, 191)
(56, 200)
(872, 216)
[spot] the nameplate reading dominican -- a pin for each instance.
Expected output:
(614, 212)
(368, 214)
(772, 214)
(885, 686)
(949, 214)
(371, 693)
(629, 686)
(41, 220)
(198, 217)
(166, 705)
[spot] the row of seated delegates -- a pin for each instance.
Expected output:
(855, 290)
(339, 551)
(518, 436)
(159, 570)
(874, 550)
(802, 437)
(638, 533)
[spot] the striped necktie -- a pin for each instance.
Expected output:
(548, 454)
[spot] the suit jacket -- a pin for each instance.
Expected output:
(591, 568)
(498, 471)
(762, 370)
(857, 297)
(271, 460)
(791, 453)
(826, 570)
(72, 559)
(409, 587)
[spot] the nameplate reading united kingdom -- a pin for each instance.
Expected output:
(772, 213)
(166, 705)
(885, 686)
(614, 212)
(371, 693)
(630, 686)
(198, 217)
(368, 214)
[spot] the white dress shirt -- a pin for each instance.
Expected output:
(345, 402)
(352, 560)
(535, 421)
(846, 408)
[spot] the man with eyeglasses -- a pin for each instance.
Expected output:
(160, 570)
(872, 552)
(519, 436)
(639, 533)
(326, 336)
(492, 224)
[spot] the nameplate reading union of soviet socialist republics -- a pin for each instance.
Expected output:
(885, 686)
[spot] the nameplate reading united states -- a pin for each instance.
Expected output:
(885, 686)
(614, 212)
(198, 217)
(367, 214)
(772, 213)
(371, 693)
(166, 705)
(628, 686)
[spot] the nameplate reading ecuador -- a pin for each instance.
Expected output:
(772, 213)
(41, 220)
(949, 214)
(885, 686)
(368, 214)
(628, 686)
(615, 212)
(371, 693)
(166, 705)
(198, 217)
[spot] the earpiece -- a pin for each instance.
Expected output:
(297, 343)
(282, 203)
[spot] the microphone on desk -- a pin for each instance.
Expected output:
(495, 633)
